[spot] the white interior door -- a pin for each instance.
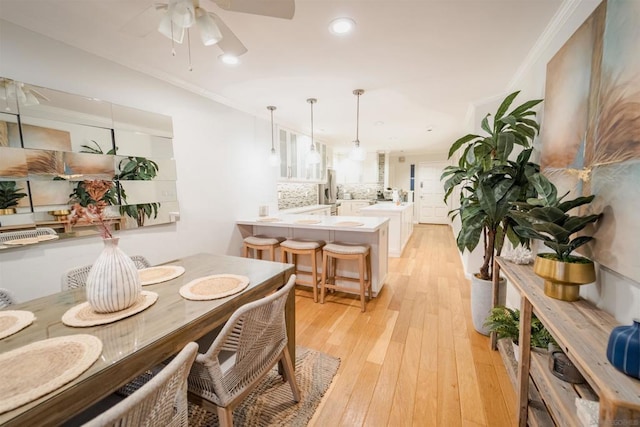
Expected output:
(432, 209)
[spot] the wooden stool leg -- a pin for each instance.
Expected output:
(325, 267)
(283, 255)
(245, 251)
(361, 269)
(369, 280)
(272, 253)
(314, 275)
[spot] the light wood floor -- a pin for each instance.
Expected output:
(413, 358)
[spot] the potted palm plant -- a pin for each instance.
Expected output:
(10, 196)
(488, 182)
(545, 218)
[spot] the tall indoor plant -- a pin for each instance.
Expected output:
(546, 218)
(488, 183)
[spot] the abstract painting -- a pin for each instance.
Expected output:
(591, 137)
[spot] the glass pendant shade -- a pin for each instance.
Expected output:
(182, 13)
(209, 31)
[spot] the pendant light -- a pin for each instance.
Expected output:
(313, 157)
(357, 152)
(274, 158)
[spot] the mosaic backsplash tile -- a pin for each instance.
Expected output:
(295, 195)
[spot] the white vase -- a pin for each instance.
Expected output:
(113, 283)
(482, 301)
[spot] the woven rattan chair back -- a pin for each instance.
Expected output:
(22, 234)
(160, 402)
(77, 277)
(249, 345)
(6, 298)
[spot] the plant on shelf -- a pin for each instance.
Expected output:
(488, 182)
(95, 196)
(505, 322)
(10, 196)
(545, 218)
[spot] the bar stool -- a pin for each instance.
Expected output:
(331, 253)
(261, 243)
(303, 247)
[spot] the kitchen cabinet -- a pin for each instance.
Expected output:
(307, 210)
(293, 148)
(400, 223)
(351, 207)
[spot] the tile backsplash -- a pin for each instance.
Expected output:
(295, 195)
(359, 191)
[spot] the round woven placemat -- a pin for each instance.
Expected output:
(348, 224)
(41, 367)
(268, 219)
(82, 315)
(159, 274)
(214, 287)
(308, 221)
(12, 321)
(46, 237)
(22, 241)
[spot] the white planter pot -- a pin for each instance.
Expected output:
(113, 283)
(482, 299)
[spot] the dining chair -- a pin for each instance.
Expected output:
(21, 234)
(77, 277)
(160, 402)
(6, 298)
(249, 345)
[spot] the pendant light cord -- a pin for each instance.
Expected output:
(358, 119)
(312, 101)
(271, 108)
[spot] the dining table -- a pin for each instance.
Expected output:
(138, 343)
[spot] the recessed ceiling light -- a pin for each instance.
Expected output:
(229, 59)
(342, 26)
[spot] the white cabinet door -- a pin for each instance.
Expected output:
(356, 206)
(294, 148)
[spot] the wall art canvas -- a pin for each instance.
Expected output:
(13, 163)
(591, 136)
(45, 138)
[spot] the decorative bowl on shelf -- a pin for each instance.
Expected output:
(61, 214)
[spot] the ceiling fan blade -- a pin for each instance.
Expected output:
(275, 8)
(230, 44)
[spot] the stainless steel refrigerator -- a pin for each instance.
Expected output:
(328, 193)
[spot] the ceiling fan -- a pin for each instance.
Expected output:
(178, 17)
(24, 94)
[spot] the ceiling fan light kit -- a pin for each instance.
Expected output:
(357, 152)
(209, 32)
(341, 26)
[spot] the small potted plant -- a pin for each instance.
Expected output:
(505, 322)
(545, 218)
(9, 197)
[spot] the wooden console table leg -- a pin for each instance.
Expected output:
(496, 300)
(524, 342)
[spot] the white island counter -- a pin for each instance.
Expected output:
(350, 229)
(400, 225)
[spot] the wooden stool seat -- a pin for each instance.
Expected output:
(261, 243)
(297, 247)
(331, 253)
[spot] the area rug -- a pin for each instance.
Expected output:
(271, 403)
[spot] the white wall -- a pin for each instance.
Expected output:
(400, 173)
(219, 153)
(614, 293)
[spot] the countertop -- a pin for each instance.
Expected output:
(387, 207)
(302, 209)
(369, 223)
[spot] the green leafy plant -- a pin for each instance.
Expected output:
(489, 182)
(137, 168)
(10, 194)
(545, 218)
(505, 322)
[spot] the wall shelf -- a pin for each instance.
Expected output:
(582, 332)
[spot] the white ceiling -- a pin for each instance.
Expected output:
(420, 62)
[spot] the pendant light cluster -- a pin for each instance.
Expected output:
(274, 158)
(313, 156)
(357, 152)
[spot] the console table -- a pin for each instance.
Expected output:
(582, 332)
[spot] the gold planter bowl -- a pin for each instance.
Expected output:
(7, 211)
(60, 214)
(562, 280)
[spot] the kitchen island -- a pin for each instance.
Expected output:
(352, 229)
(400, 224)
